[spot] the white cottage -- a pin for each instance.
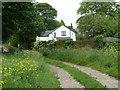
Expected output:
(60, 33)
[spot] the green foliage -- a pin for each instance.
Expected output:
(14, 39)
(98, 24)
(104, 60)
(65, 43)
(15, 16)
(111, 44)
(84, 43)
(26, 69)
(48, 14)
(78, 75)
(46, 10)
(98, 18)
(12, 49)
(44, 44)
(62, 22)
(108, 8)
(99, 41)
(53, 44)
(22, 22)
(81, 37)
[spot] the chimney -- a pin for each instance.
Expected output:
(71, 26)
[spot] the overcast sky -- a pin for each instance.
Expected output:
(66, 10)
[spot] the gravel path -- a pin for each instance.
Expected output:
(104, 79)
(65, 79)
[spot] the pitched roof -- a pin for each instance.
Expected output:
(111, 39)
(50, 31)
(47, 33)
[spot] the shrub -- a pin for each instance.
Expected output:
(68, 43)
(52, 44)
(44, 44)
(12, 49)
(111, 44)
(98, 41)
(84, 43)
(81, 37)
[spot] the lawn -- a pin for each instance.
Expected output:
(26, 69)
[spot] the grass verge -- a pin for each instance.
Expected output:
(26, 69)
(81, 77)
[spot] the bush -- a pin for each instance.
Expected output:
(111, 44)
(44, 44)
(81, 37)
(84, 43)
(12, 49)
(53, 44)
(98, 41)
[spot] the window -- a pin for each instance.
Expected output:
(54, 35)
(63, 33)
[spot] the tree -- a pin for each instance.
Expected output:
(62, 22)
(46, 11)
(22, 21)
(98, 18)
(48, 14)
(107, 8)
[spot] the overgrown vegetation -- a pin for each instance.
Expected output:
(104, 60)
(54, 44)
(26, 69)
(81, 77)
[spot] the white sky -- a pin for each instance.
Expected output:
(66, 10)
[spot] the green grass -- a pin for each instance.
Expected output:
(26, 69)
(81, 77)
(105, 61)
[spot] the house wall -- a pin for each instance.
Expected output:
(73, 36)
(69, 33)
(58, 31)
(42, 38)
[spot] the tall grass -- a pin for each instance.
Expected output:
(26, 69)
(103, 60)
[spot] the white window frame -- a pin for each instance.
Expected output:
(63, 33)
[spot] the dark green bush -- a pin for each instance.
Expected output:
(98, 41)
(68, 43)
(44, 44)
(111, 44)
(12, 49)
(81, 37)
(53, 44)
(84, 43)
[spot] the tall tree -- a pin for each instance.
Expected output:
(98, 18)
(48, 14)
(107, 8)
(21, 21)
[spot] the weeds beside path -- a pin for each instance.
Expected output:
(26, 69)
